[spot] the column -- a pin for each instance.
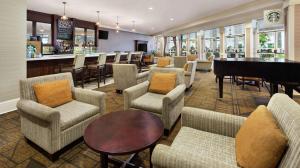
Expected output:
(222, 42)
(199, 44)
(292, 26)
(249, 40)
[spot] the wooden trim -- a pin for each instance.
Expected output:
(39, 17)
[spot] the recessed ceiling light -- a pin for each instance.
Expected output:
(172, 19)
(150, 8)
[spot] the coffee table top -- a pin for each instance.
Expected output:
(123, 132)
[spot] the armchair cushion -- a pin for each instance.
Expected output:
(53, 93)
(162, 83)
(74, 112)
(260, 142)
(186, 66)
(150, 102)
(163, 62)
(214, 146)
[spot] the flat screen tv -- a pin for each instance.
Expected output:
(103, 34)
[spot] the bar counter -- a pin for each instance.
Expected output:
(49, 64)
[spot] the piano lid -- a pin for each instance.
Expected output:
(263, 60)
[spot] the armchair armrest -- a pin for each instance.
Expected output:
(175, 94)
(134, 92)
(37, 110)
(142, 75)
(90, 97)
(210, 121)
(164, 156)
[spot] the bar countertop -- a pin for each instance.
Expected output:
(68, 56)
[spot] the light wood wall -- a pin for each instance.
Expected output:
(297, 33)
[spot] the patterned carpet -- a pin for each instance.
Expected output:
(16, 152)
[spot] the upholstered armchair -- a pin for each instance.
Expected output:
(190, 73)
(126, 75)
(54, 128)
(207, 138)
(168, 107)
(180, 61)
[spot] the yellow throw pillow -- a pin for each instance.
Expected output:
(53, 93)
(185, 67)
(260, 143)
(191, 57)
(163, 62)
(162, 83)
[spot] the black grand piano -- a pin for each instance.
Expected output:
(273, 70)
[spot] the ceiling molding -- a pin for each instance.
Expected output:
(230, 16)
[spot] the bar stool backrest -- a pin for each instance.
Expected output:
(101, 59)
(141, 56)
(129, 57)
(117, 58)
(79, 61)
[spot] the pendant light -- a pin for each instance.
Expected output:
(133, 26)
(117, 25)
(64, 17)
(98, 21)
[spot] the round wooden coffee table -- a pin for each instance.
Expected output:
(122, 133)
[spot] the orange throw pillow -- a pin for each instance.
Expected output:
(53, 93)
(186, 66)
(191, 57)
(163, 62)
(162, 83)
(260, 143)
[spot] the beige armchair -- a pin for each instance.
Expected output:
(168, 107)
(180, 61)
(126, 75)
(54, 128)
(204, 65)
(190, 74)
(207, 138)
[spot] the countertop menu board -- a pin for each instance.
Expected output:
(65, 29)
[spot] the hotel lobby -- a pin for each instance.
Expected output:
(153, 84)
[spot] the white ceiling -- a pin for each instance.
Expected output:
(147, 21)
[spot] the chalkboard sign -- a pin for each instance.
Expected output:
(65, 29)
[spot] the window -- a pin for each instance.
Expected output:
(79, 37)
(235, 41)
(90, 37)
(211, 42)
(44, 31)
(271, 40)
(29, 30)
(193, 43)
(170, 46)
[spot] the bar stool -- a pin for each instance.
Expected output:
(129, 56)
(77, 68)
(99, 68)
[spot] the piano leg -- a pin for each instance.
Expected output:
(221, 78)
(288, 90)
(273, 88)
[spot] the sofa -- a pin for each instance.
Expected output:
(126, 75)
(168, 107)
(54, 128)
(207, 138)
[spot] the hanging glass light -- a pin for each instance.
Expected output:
(133, 26)
(117, 25)
(98, 21)
(64, 17)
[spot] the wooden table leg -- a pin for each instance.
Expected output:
(221, 78)
(104, 160)
(151, 150)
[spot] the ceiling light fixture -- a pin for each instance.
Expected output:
(117, 24)
(172, 19)
(64, 17)
(98, 21)
(133, 26)
(150, 8)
